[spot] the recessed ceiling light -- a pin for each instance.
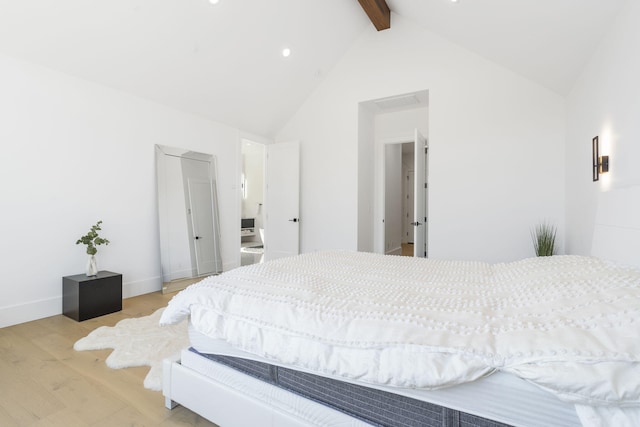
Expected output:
(286, 52)
(214, 1)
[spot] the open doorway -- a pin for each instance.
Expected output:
(384, 205)
(395, 242)
(405, 197)
(270, 208)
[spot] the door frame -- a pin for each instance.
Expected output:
(421, 180)
(380, 196)
(380, 190)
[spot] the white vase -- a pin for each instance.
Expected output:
(92, 266)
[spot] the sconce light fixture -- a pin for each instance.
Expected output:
(600, 163)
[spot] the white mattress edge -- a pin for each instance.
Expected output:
(501, 396)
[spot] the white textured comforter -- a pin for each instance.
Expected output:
(569, 324)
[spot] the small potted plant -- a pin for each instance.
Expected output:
(92, 239)
(544, 239)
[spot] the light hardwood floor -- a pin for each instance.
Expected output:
(407, 249)
(44, 382)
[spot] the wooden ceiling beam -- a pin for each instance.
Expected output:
(378, 12)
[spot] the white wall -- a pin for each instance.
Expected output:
(496, 140)
(400, 125)
(74, 152)
(365, 168)
(604, 102)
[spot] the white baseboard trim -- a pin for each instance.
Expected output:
(141, 287)
(28, 311)
(395, 251)
(47, 307)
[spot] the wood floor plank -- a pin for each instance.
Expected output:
(22, 399)
(181, 416)
(90, 401)
(20, 363)
(5, 418)
(126, 417)
(64, 417)
(45, 383)
(124, 383)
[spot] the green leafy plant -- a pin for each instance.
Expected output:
(544, 239)
(91, 239)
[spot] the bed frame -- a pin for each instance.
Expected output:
(230, 398)
(253, 404)
(228, 403)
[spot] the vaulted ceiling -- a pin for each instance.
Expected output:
(224, 60)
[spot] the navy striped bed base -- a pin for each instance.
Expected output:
(376, 407)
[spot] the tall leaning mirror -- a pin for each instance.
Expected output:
(188, 216)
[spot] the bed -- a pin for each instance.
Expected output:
(537, 342)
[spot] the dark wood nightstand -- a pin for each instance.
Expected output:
(88, 297)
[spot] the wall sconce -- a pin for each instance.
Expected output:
(600, 163)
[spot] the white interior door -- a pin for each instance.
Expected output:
(201, 207)
(419, 194)
(282, 227)
(408, 219)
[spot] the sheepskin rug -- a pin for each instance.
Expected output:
(139, 342)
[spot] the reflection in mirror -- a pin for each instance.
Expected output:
(188, 216)
(252, 222)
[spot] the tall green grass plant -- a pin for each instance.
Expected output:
(544, 239)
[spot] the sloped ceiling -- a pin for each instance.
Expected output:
(224, 61)
(547, 41)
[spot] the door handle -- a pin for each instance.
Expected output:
(294, 220)
(197, 237)
(415, 224)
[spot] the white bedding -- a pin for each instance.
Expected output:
(568, 324)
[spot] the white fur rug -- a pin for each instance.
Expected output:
(139, 342)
